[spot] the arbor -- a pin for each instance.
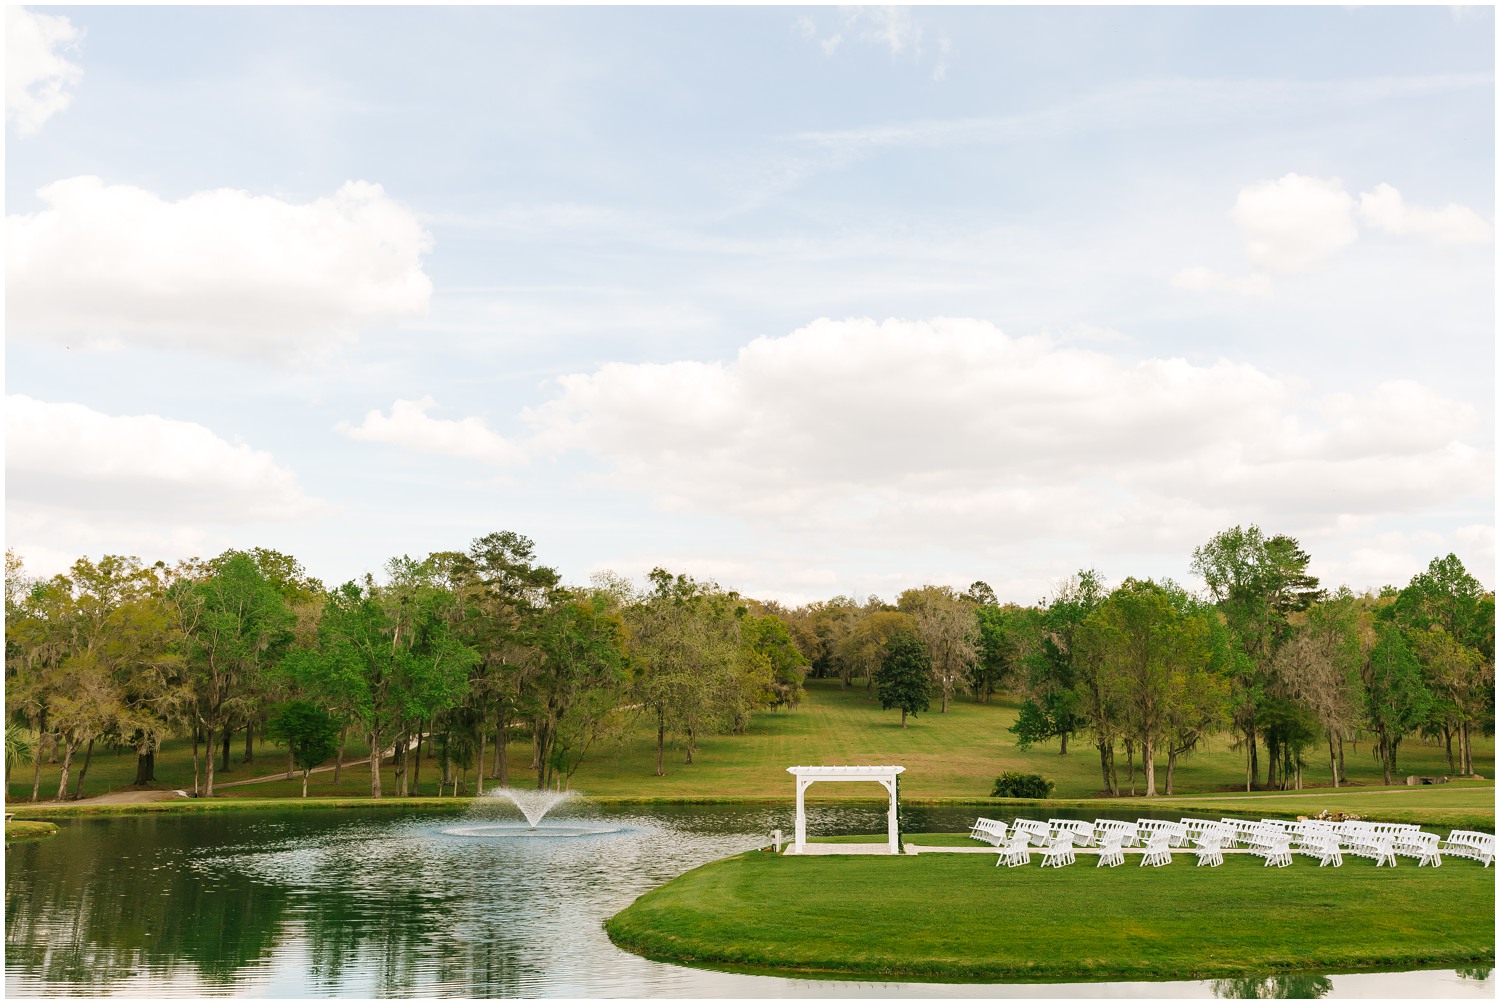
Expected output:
(309, 732)
(905, 677)
(947, 625)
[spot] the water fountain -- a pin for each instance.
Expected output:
(534, 805)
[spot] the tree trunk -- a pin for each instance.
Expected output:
(1247, 767)
(291, 763)
(1343, 775)
(661, 743)
(208, 761)
(416, 768)
(479, 761)
(145, 768)
(1106, 751)
(1448, 745)
(338, 765)
(196, 789)
(1130, 763)
(1171, 765)
(1064, 737)
(399, 756)
(690, 738)
(1385, 759)
(1333, 761)
(88, 757)
(1148, 762)
(944, 709)
(224, 766)
(36, 768)
(305, 771)
(62, 780)
(903, 718)
(1254, 757)
(502, 760)
(374, 763)
(1466, 748)
(250, 741)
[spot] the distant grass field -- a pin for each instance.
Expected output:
(957, 917)
(951, 756)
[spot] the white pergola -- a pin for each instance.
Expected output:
(807, 775)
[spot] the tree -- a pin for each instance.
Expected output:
(237, 625)
(309, 732)
(768, 641)
(1065, 691)
(905, 677)
(1396, 700)
(685, 645)
(1320, 667)
(1155, 649)
(947, 625)
(1450, 620)
(1257, 583)
(581, 671)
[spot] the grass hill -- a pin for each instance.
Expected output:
(953, 755)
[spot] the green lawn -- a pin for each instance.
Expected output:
(956, 755)
(957, 917)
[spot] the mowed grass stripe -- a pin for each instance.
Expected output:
(957, 917)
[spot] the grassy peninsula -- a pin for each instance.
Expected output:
(958, 918)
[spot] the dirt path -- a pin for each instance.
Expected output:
(134, 795)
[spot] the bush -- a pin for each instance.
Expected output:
(1013, 785)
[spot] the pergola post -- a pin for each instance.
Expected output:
(801, 835)
(890, 822)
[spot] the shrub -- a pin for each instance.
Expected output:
(1013, 785)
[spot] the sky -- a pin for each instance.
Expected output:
(806, 301)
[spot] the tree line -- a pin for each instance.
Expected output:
(1146, 671)
(464, 651)
(471, 651)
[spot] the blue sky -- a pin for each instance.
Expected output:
(809, 301)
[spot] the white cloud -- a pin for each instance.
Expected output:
(1384, 209)
(68, 458)
(37, 77)
(408, 427)
(1294, 223)
(220, 271)
(1206, 279)
(890, 27)
(950, 433)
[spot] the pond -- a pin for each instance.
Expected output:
(396, 902)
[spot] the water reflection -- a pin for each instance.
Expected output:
(382, 903)
(1298, 985)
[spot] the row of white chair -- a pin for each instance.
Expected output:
(1273, 840)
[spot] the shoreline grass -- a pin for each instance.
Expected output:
(957, 918)
(1473, 809)
(17, 830)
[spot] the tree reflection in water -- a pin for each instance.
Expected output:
(1295, 985)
